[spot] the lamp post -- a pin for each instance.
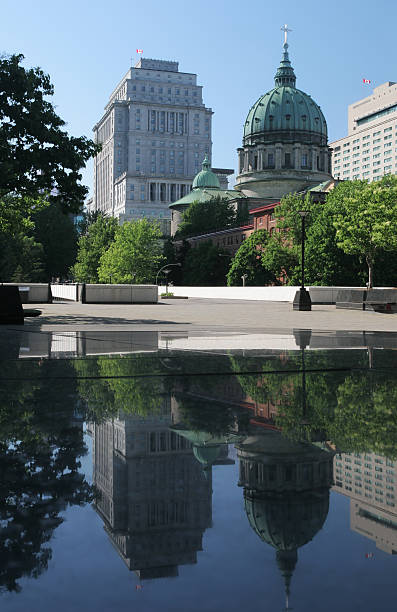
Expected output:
(244, 278)
(178, 265)
(302, 299)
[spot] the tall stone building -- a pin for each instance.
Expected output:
(368, 151)
(154, 133)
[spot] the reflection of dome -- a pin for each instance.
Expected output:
(207, 455)
(285, 114)
(286, 493)
(206, 179)
(287, 521)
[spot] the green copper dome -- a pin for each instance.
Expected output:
(285, 114)
(206, 179)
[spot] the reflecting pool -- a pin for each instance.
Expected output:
(152, 471)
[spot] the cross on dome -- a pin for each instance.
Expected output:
(285, 29)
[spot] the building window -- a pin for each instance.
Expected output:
(304, 160)
(152, 192)
(163, 188)
(270, 160)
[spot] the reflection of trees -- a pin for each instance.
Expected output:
(40, 443)
(114, 384)
(365, 418)
(356, 409)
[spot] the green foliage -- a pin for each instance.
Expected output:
(134, 256)
(91, 246)
(21, 258)
(112, 387)
(37, 155)
(367, 222)
(325, 262)
(352, 406)
(203, 217)
(16, 212)
(248, 260)
(56, 232)
(205, 266)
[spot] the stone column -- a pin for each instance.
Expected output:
(260, 158)
(245, 160)
(297, 156)
(312, 158)
(279, 151)
(240, 152)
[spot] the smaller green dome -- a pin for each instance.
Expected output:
(206, 179)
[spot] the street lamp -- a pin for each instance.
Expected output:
(178, 265)
(302, 299)
(244, 278)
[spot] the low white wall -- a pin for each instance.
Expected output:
(121, 294)
(319, 295)
(65, 292)
(272, 294)
(37, 294)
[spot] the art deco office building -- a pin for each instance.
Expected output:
(155, 133)
(369, 150)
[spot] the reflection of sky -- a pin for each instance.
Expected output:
(235, 570)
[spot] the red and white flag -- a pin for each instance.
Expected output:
(139, 51)
(366, 81)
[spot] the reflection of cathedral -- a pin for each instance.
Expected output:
(153, 496)
(370, 482)
(286, 490)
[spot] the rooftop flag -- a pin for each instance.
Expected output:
(366, 81)
(140, 51)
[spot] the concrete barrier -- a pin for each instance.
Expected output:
(35, 293)
(121, 294)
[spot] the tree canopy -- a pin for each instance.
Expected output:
(37, 154)
(98, 237)
(205, 266)
(57, 234)
(248, 260)
(134, 256)
(203, 217)
(367, 221)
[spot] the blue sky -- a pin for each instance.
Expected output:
(233, 47)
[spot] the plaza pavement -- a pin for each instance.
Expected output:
(198, 316)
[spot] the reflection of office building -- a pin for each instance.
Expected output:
(286, 491)
(370, 482)
(154, 498)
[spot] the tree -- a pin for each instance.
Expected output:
(56, 232)
(248, 260)
(205, 266)
(325, 262)
(37, 155)
(203, 217)
(134, 256)
(91, 246)
(21, 258)
(368, 222)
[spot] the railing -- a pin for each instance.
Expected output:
(65, 292)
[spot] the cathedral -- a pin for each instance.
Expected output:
(284, 150)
